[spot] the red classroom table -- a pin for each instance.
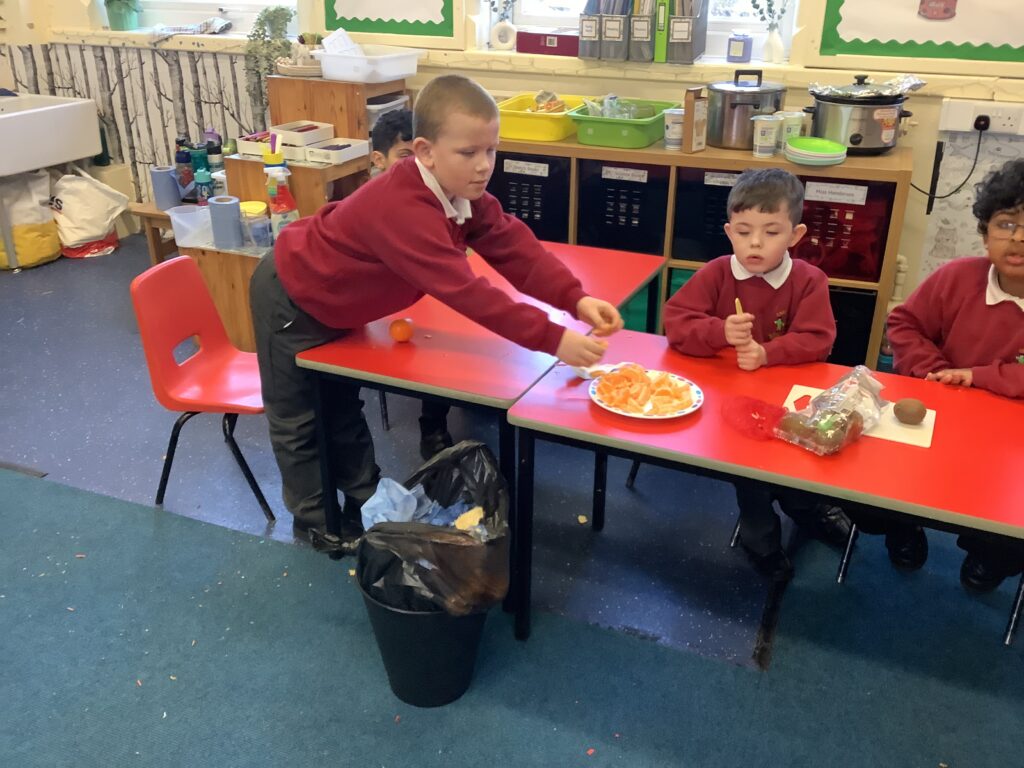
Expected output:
(970, 477)
(453, 359)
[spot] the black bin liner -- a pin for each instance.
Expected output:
(427, 588)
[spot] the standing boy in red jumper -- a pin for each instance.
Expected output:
(964, 326)
(402, 235)
(786, 320)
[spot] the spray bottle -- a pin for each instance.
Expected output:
(283, 209)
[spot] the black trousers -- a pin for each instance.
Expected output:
(282, 331)
(760, 527)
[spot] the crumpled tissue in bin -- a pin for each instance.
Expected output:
(837, 416)
(394, 503)
(416, 566)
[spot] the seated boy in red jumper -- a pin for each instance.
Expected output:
(964, 326)
(786, 320)
(376, 252)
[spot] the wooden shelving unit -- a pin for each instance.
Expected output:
(893, 168)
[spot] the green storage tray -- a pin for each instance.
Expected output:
(620, 132)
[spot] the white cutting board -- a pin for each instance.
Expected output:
(888, 427)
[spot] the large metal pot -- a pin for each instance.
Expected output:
(864, 118)
(732, 104)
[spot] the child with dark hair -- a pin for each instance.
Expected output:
(392, 141)
(786, 320)
(964, 326)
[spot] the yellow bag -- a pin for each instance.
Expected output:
(26, 197)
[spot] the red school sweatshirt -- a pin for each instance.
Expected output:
(946, 323)
(382, 248)
(793, 323)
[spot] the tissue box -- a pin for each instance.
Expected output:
(334, 152)
(553, 41)
(302, 133)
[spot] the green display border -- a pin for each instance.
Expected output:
(445, 28)
(834, 45)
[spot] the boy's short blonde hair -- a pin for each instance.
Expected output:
(447, 94)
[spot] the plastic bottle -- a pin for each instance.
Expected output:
(256, 225)
(204, 187)
(199, 158)
(283, 210)
(213, 150)
(183, 162)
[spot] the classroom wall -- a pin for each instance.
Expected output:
(189, 84)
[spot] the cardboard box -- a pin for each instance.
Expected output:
(552, 41)
(695, 120)
(334, 152)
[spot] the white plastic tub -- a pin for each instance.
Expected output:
(191, 225)
(383, 105)
(377, 64)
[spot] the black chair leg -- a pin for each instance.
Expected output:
(844, 564)
(169, 456)
(229, 435)
(1018, 602)
(631, 479)
(735, 535)
(384, 421)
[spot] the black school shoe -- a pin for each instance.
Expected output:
(831, 526)
(351, 524)
(775, 565)
(908, 548)
(979, 577)
(432, 443)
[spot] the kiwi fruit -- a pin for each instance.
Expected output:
(910, 410)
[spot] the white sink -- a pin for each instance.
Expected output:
(38, 131)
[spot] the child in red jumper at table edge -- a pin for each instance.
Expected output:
(402, 235)
(964, 326)
(392, 141)
(786, 320)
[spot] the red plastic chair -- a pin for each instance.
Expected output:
(172, 305)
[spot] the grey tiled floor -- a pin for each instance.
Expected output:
(75, 403)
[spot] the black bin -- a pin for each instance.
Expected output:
(429, 655)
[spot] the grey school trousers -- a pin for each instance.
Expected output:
(282, 331)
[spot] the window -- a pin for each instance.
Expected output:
(241, 13)
(725, 16)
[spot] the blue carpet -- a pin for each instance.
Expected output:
(133, 637)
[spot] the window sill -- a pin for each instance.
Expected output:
(704, 71)
(147, 38)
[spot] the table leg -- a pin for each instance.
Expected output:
(522, 555)
(1018, 603)
(600, 484)
(653, 297)
(154, 241)
(332, 513)
(507, 465)
(634, 468)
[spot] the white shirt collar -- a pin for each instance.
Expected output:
(994, 293)
(776, 278)
(458, 209)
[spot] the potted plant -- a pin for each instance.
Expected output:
(771, 13)
(268, 41)
(122, 15)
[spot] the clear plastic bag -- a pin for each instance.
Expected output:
(837, 416)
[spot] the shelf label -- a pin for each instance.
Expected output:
(624, 174)
(851, 194)
(525, 168)
(712, 179)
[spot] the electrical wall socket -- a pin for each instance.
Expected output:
(1006, 117)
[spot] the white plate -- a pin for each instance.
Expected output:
(698, 399)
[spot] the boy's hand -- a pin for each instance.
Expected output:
(579, 350)
(602, 316)
(739, 329)
(751, 356)
(962, 377)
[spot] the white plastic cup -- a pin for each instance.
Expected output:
(674, 128)
(766, 134)
(792, 126)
